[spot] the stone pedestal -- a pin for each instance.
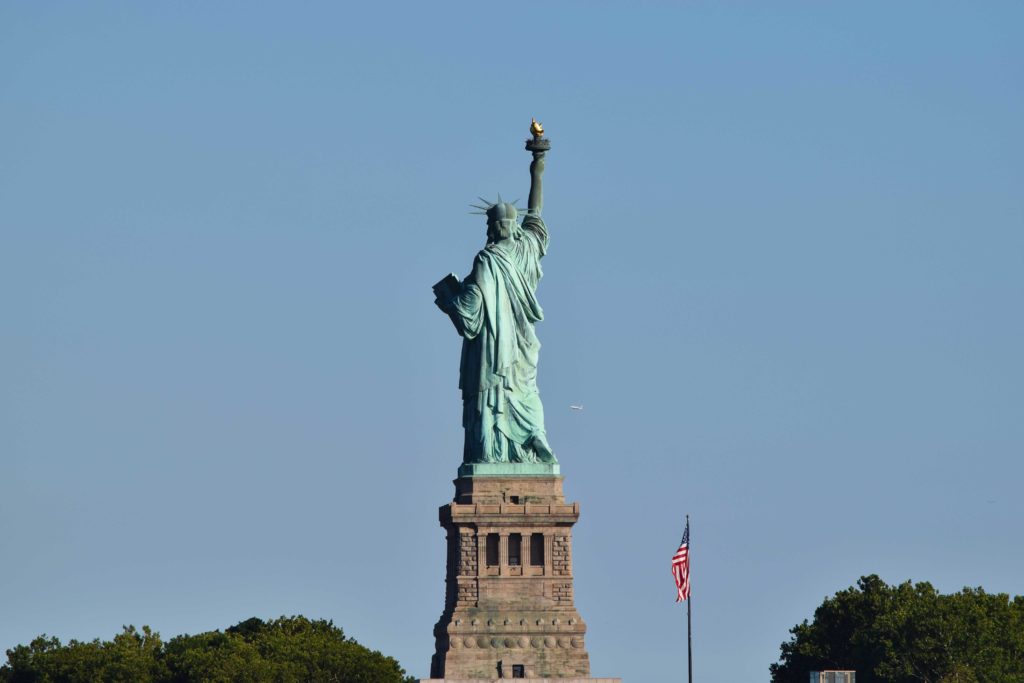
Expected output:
(509, 610)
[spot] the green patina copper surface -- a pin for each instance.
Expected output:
(509, 469)
(495, 309)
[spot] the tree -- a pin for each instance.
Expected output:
(909, 633)
(131, 657)
(285, 650)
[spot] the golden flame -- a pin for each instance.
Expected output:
(536, 128)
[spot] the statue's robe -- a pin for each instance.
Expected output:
(495, 312)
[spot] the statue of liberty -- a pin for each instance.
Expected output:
(494, 310)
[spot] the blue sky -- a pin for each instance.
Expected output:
(785, 283)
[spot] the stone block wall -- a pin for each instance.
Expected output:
(507, 613)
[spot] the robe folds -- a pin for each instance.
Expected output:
(495, 312)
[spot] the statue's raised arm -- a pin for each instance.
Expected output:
(539, 146)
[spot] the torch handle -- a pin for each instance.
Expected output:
(536, 201)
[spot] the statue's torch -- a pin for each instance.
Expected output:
(538, 144)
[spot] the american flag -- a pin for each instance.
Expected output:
(681, 566)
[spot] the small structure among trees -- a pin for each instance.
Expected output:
(834, 676)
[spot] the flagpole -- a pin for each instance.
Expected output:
(689, 632)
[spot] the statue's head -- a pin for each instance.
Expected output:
(501, 221)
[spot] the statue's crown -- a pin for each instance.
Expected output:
(497, 211)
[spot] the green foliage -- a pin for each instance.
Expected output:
(131, 657)
(909, 633)
(285, 650)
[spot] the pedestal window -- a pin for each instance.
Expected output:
(515, 550)
(537, 550)
(492, 550)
